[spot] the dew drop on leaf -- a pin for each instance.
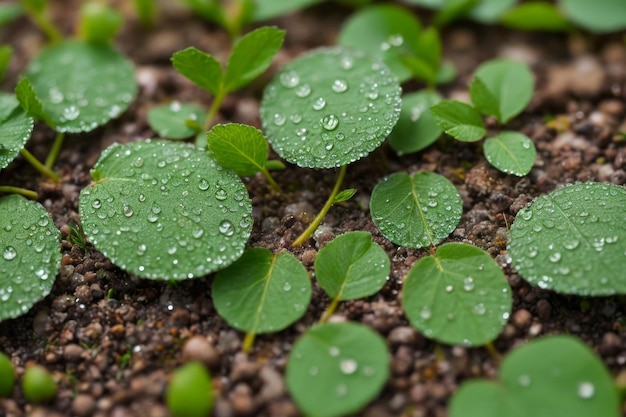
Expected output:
(586, 390)
(339, 86)
(9, 253)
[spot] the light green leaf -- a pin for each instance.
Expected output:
(597, 16)
(336, 369)
(510, 82)
(416, 129)
(7, 376)
(15, 129)
(446, 74)
(457, 296)
(190, 392)
(251, 56)
(351, 266)
(27, 97)
(262, 292)
(5, 57)
(268, 9)
(459, 120)
(385, 32)
(552, 376)
(82, 86)
(170, 120)
(99, 23)
(511, 152)
(9, 12)
(199, 67)
(452, 10)
(165, 210)
(416, 211)
(572, 240)
(483, 99)
(489, 11)
(536, 15)
(328, 118)
(344, 195)
(425, 60)
(239, 147)
(30, 252)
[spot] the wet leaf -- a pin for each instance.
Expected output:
(416, 211)
(416, 129)
(199, 67)
(30, 255)
(239, 147)
(459, 120)
(457, 296)
(572, 240)
(81, 85)
(165, 210)
(15, 129)
(536, 15)
(597, 16)
(555, 375)
(190, 393)
(262, 292)
(511, 152)
(170, 120)
(330, 107)
(330, 373)
(27, 97)
(351, 266)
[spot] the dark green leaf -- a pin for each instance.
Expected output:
(459, 120)
(15, 129)
(27, 97)
(190, 393)
(344, 195)
(239, 147)
(5, 57)
(170, 120)
(7, 376)
(511, 152)
(453, 10)
(416, 129)
(99, 22)
(535, 15)
(201, 68)
(484, 101)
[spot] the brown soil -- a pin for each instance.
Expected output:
(112, 340)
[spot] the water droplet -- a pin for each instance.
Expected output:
(203, 184)
(319, 104)
(333, 351)
(555, 257)
(313, 370)
(396, 40)
(425, 313)
(480, 309)
(226, 228)
(287, 287)
(279, 119)
(303, 90)
(348, 366)
(571, 245)
(586, 390)
(339, 86)
(128, 211)
(9, 253)
(449, 288)
(524, 380)
(329, 122)
(221, 194)
(346, 62)
(175, 106)
(468, 283)
(96, 204)
(141, 249)
(526, 214)
(71, 113)
(289, 79)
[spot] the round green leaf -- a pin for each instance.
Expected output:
(38, 385)
(597, 16)
(416, 211)
(572, 240)
(30, 255)
(262, 292)
(459, 295)
(386, 32)
(511, 152)
(534, 16)
(239, 147)
(15, 129)
(351, 266)
(165, 210)
(171, 120)
(337, 368)
(552, 376)
(330, 107)
(459, 120)
(489, 11)
(190, 393)
(416, 129)
(7, 376)
(81, 85)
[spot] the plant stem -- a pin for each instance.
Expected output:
(270, 180)
(7, 189)
(492, 351)
(248, 341)
(215, 106)
(330, 310)
(46, 26)
(56, 149)
(44, 170)
(320, 216)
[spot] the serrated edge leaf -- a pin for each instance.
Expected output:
(208, 77)
(220, 138)
(26, 95)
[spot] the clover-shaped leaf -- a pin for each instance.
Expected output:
(15, 129)
(30, 255)
(176, 120)
(416, 211)
(416, 129)
(459, 295)
(555, 375)
(511, 152)
(336, 368)
(330, 107)
(572, 240)
(165, 210)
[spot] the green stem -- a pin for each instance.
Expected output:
(320, 216)
(7, 189)
(56, 149)
(46, 26)
(44, 170)
(215, 106)
(330, 310)
(270, 180)
(248, 341)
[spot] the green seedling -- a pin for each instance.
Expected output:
(555, 375)
(457, 295)
(598, 16)
(336, 369)
(572, 240)
(232, 15)
(176, 120)
(165, 210)
(350, 267)
(243, 149)
(501, 89)
(251, 56)
(262, 292)
(417, 210)
(99, 23)
(38, 386)
(330, 118)
(37, 10)
(536, 15)
(30, 255)
(146, 11)
(190, 393)
(7, 376)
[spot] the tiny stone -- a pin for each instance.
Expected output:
(402, 335)
(83, 405)
(72, 352)
(522, 319)
(200, 349)
(544, 309)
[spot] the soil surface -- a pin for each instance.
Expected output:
(112, 339)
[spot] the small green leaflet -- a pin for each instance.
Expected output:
(239, 147)
(552, 376)
(15, 129)
(416, 211)
(267, 9)
(489, 11)
(330, 118)
(99, 23)
(262, 292)
(30, 258)
(511, 152)
(457, 296)
(199, 67)
(351, 266)
(597, 16)
(172, 120)
(344, 195)
(425, 60)
(536, 15)
(572, 240)
(190, 392)
(336, 369)
(27, 97)
(7, 376)
(5, 57)
(165, 210)
(459, 120)
(416, 129)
